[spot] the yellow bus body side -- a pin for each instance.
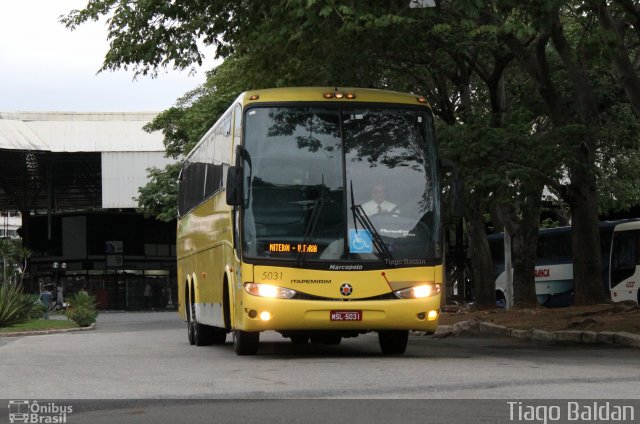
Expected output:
(205, 254)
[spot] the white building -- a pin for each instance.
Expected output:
(124, 150)
(10, 221)
(75, 176)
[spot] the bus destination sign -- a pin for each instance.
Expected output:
(280, 247)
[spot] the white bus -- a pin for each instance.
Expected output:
(620, 249)
(624, 270)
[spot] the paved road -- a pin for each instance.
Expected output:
(146, 356)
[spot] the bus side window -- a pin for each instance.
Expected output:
(624, 250)
(237, 128)
(624, 256)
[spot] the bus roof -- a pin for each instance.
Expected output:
(633, 224)
(619, 225)
(317, 94)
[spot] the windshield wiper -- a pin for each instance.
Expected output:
(359, 215)
(311, 225)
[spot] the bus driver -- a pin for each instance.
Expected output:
(378, 204)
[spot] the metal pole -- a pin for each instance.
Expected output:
(508, 269)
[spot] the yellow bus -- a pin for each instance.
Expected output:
(313, 212)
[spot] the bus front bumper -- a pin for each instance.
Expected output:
(261, 314)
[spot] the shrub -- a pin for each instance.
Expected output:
(38, 310)
(82, 309)
(15, 306)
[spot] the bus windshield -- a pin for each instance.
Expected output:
(351, 183)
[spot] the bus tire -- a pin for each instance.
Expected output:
(189, 312)
(246, 342)
(202, 335)
(197, 333)
(190, 332)
(393, 342)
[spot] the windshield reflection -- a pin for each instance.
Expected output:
(296, 207)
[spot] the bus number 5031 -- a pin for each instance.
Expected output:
(272, 276)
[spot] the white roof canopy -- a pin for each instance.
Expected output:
(72, 160)
(79, 132)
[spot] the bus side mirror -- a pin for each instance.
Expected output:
(234, 186)
(457, 187)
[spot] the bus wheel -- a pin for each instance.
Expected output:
(201, 334)
(190, 332)
(246, 342)
(198, 333)
(393, 342)
(190, 328)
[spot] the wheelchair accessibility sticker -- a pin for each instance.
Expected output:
(360, 241)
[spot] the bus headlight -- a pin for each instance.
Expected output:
(418, 292)
(268, 290)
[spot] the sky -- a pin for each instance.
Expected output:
(47, 67)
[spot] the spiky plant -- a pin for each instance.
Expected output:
(15, 306)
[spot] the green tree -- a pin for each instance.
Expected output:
(159, 197)
(21, 257)
(320, 43)
(469, 58)
(555, 42)
(15, 257)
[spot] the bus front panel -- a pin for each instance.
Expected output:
(281, 299)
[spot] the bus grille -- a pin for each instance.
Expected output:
(304, 296)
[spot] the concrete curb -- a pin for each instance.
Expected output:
(622, 338)
(53, 331)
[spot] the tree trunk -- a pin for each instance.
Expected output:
(585, 240)
(524, 244)
(482, 264)
(523, 224)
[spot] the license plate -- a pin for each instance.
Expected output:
(345, 315)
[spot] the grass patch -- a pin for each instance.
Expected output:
(38, 325)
